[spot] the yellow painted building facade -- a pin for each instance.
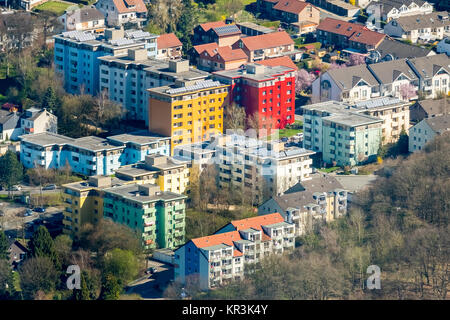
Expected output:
(188, 114)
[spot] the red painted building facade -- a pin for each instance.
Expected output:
(268, 91)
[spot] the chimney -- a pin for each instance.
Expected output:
(137, 54)
(179, 66)
(149, 189)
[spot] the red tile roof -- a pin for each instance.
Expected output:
(281, 61)
(367, 37)
(168, 40)
(292, 6)
(268, 40)
(124, 6)
(340, 27)
(209, 47)
(216, 239)
(257, 222)
(355, 32)
(227, 54)
(208, 25)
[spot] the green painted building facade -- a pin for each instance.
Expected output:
(158, 217)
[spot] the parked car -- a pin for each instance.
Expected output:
(39, 209)
(153, 270)
(49, 187)
(28, 213)
(15, 188)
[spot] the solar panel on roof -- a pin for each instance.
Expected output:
(226, 29)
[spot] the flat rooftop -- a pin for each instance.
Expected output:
(352, 119)
(139, 137)
(45, 139)
(85, 185)
(255, 26)
(93, 143)
(135, 171)
(176, 90)
(131, 192)
(269, 72)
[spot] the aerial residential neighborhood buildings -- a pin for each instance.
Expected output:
(429, 108)
(169, 47)
(426, 130)
(83, 19)
(387, 10)
(223, 256)
(431, 26)
(118, 12)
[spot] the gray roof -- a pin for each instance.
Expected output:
(419, 21)
(400, 50)
(353, 119)
(85, 14)
(387, 5)
(347, 78)
(297, 199)
(139, 137)
(427, 67)
(46, 139)
(94, 144)
(8, 120)
(388, 72)
(439, 124)
(434, 107)
(131, 192)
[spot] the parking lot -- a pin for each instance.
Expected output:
(152, 286)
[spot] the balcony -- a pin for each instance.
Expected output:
(179, 207)
(178, 216)
(179, 225)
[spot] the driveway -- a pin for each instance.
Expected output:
(152, 286)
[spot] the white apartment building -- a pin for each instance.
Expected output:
(223, 256)
(426, 130)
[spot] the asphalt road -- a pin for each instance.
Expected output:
(32, 190)
(152, 286)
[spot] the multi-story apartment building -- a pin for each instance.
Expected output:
(118, 12)
(265, 91)
(198, 155)
(84, 203)
(127, 77)
(427, 75)
(320, 199)
(188, 112)
(344, 135)
(158, 216)
(426, 130)
(88, 155)
(343, 34)
(432, 26)
(266, 168)
(269, 45)
(223, 256)
(168, 173)
(76, 55)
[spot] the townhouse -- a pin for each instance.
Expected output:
(87, 155)
(168, 173)
(268, 45)
(267, 92)
(342, 136)
(188, 112)
(169, 47)
(339, 7)
(427, 76)
(427, 27)
(119, 12)
(211, 57)
(201, 35)
(321, 199)
(223, 256)
(76, 55)
(422, 109)
(343, 34)
(126, 78)
(263, 168)
(157, 216)
(386, 10)
(83, 19)
(9, 125)
(426, 130)
(35, 120)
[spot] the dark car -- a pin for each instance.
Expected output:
(39, 209)
(49, 187)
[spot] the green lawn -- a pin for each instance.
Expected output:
(54, 6)
(328, 170)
